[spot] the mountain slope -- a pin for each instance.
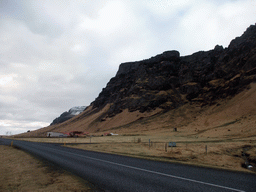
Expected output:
(68, 114)
(168, 90)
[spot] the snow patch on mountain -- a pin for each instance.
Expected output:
(68, 114)
(76, 110)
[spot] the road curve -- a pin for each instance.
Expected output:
(120, 173)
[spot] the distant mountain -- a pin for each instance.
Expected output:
(68, 114)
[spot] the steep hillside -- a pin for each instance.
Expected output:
(205, 91)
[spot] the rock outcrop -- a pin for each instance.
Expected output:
(169, 81)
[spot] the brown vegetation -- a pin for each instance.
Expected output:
(20, 172)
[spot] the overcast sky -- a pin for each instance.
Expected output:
(58, 54)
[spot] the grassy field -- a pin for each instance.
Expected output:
(20, 172)
(209, 152)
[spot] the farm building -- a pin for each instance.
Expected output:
(55, 134)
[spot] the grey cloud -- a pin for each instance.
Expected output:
(34, 15)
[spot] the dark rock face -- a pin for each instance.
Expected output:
(168, 80)
(68, 114)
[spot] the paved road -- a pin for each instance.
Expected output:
(119, 173)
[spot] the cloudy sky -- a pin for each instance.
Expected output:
(58, 54)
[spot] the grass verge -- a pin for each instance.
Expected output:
(22, 172)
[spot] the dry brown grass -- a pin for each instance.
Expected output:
(20, 172)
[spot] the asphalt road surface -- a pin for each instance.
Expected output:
(119, 173)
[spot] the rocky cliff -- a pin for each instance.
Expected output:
(168, 81)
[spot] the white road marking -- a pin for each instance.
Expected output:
(154, 172)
